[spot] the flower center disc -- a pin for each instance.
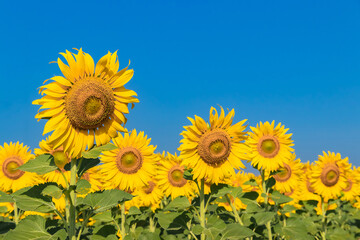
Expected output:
(9, 167)
(348, 187)
(284, 175)
(60, 158)
(149, 188)
(176, 176)
(129, 160)
(89, 103)
(268, 146)
(308, 186)
(330, 175)
(214, 147)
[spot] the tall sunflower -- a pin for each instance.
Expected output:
(270, 146)
(150, 195)
(352, 188)
(288, 177)
(213, 150)
(87, 104)
(170, 176)
(306, 191)
(60, 159)
(131, 165)
(328, 175)
(12, 156)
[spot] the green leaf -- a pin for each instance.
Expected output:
(296, 229)
(197, 229)
(86, 163)
(32, 227)
(338, 234)
(96, 151)
(262, 218)
(280, 198)
(4, 197)
(103, 231)
(236, 231)
(188, 174)
(251, 182)
(101, 201)
(249, 196)
(270, 182)
(52, 191)
(134, 211)
(166, 219)
(220, 190)
(30, 199)
(83, 186)
(41, 164)
(149, 235)
(179, 203)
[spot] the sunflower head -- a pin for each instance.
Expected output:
(270, 146)
(352, 188)
(328, 175)
(12, 156)
(131, 165)
(87, 104)
(170, 177)
(213, 150)
(289, 175)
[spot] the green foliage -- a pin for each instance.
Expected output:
(96, 151)
(102, 201)
(41, 164)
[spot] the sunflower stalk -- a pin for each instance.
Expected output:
(323, 221)
(236, 214)
(266, 198)
(123, 219)
(202, 209)
(72, 200)
(16, 214)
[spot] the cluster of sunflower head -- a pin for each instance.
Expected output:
(86, 107)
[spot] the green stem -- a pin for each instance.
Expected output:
(152, 225)
(266, 199)
(72, 209)
(123, 218)
(86, 220)
(202, 208)
(323, 221)
(237, 217)
(63, 219)
(16, 214)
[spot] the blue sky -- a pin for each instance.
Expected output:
(295, 62)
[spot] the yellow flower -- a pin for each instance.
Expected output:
(307, 192)
(170, 176)
(131, 165)
(270, 146)
(87, 104)
(149, 196)
(60, 159)
(214, 150)
(289, 175)
(11, 157)
(328, 175)
(352, 188)
(94, 177)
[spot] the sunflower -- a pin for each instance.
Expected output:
(237, 203)
(12, 156)
(270, 146)
(214, 150)
(87, 104)
(170, 176)
(352, 188)
(94, 177)
(132, 164)
(307, 192)
(328, 175)
(150, 195)
(60, 159)
(288, 177)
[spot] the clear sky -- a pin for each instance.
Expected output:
(295, 62)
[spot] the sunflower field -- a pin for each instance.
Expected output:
(91, 178)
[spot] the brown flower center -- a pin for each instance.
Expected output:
(176, 176)
(330, 175)
(308, 186)
(284, 174)
(149, 188)
(10, 166)
(348, 187)
(89, 103)
(214, 147)
(268, 146)
(129, 160)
